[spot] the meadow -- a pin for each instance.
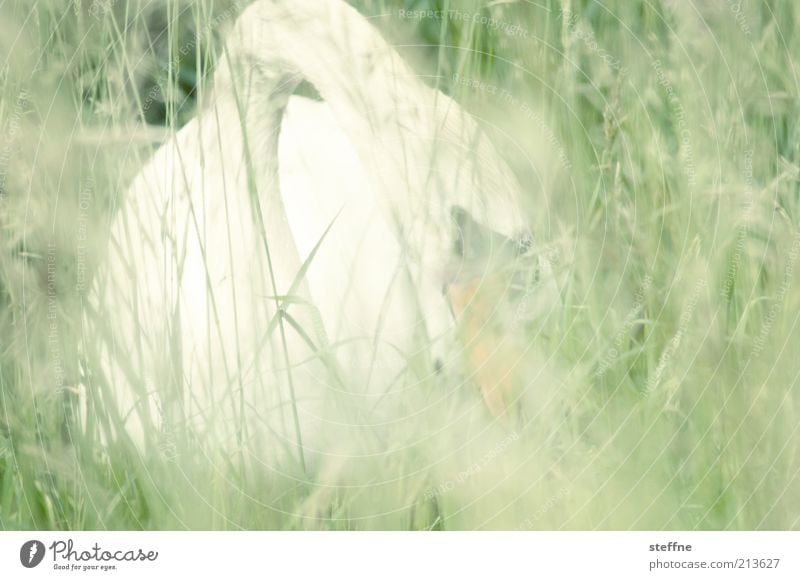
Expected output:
(659, 145)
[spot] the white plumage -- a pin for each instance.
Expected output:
(214, 231)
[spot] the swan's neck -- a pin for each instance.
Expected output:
(422, 150)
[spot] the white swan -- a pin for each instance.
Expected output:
(338, 214)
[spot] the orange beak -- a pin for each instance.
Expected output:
(489, 354)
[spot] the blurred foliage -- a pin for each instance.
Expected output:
(659, 142)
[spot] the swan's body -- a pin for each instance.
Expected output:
(212, 274)
(209, 241)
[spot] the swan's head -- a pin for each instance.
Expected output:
(502, 293)
(511, 266)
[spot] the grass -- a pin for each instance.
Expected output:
(658, 143)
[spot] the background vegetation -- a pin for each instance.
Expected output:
(659, 142)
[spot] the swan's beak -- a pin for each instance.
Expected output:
(496, 286)
(489, 354)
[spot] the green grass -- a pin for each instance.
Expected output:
(658, 142)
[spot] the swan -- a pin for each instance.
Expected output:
(278, 273)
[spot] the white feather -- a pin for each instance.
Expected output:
(190, 286)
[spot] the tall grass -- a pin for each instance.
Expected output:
(658, 144)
